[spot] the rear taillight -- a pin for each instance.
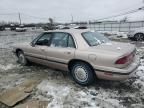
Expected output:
(125, 59)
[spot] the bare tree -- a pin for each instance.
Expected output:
(125, 19)
(51, 21)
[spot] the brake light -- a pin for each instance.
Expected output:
(125, 59)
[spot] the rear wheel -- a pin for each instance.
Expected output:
(82, 73)
(21, 58)
(139, 37)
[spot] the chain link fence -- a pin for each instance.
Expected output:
(115, 26)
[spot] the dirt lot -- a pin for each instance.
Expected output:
(59, 90)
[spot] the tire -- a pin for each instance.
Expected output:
(83, 74)
(21, 58)
(139, 37)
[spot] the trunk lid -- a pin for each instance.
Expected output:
(117, 50)
(114, 48)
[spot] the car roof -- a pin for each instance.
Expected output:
(71, 31)
(79, 41)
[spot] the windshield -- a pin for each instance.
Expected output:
(94, 39)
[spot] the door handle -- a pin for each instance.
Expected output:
(67, 52)
(42, 49)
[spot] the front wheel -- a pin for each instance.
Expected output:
(83, 74)
(21, 58)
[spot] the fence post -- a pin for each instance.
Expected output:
(119, 26)
(104, 26)
(129, 26)
(142, 23)
(111, 26)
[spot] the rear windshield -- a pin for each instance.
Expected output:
(94, 38)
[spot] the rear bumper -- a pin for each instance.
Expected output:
(130, 35)
(113, 76)
(118, 74)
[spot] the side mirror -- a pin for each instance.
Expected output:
(32, 44)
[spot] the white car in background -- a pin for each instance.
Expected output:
(136, 34)
(21, 28)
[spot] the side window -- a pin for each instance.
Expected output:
(59, 40)
(71, 43)
(44, 39)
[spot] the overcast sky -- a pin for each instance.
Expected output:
(62, 10)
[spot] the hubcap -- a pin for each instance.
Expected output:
(81, 74)
(21, 59)
(139, 37)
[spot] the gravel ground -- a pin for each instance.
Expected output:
(57, 86)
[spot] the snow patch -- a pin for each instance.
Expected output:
(65, 96)
(7, 67)
(115, 33)
(58, 92)
(140, 74)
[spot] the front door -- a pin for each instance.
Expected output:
(36, 53)
(61, 50)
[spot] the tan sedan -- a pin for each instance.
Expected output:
(86, 55)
